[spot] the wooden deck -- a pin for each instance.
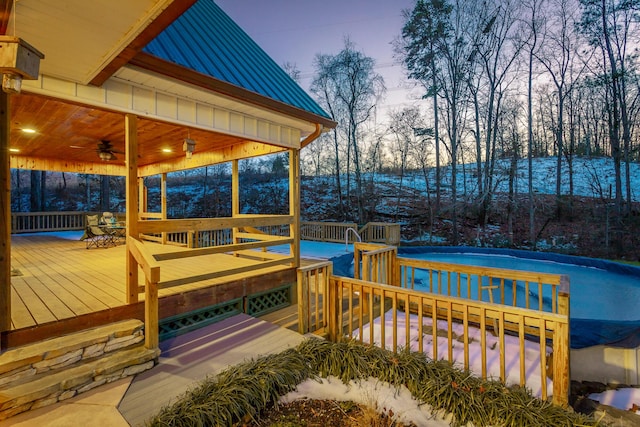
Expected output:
(58, 278)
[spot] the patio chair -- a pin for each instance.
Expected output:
(108, 218)
(95, 236)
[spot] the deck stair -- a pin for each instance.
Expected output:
(50, 371)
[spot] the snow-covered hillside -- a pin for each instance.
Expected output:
(592, 177)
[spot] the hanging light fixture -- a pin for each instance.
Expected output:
(105, 156)
(189, 147)
(18, 60)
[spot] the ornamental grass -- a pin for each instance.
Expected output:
(242, 391)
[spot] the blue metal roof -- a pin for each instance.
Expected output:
(207, 40)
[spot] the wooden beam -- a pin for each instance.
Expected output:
(237, 151)
(131, 153)
(272, 241)
(5, 214)
(235, 188)
(163, 20)
(61, 165)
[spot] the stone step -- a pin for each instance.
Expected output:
(58, 352)
(53, 370)
(51, 387)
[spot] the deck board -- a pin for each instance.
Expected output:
(62, 279)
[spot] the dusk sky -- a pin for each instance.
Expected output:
(295, 31)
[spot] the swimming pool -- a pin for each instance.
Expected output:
(604, 296)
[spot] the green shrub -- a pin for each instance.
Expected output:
(243, 391)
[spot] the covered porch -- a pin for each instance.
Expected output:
(133, 106)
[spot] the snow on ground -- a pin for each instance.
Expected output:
(533, 374)
(624, 398)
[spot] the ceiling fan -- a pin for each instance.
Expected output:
(106, 151)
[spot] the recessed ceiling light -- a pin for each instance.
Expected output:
(167, 150)
(28, 130)
(14, 150)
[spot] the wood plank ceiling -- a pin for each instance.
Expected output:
(73, 132)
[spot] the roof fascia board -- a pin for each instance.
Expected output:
(152, 63)
(166, 17)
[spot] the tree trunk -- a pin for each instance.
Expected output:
(105, 199)
(35, 193)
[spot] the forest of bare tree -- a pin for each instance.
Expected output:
(503, 79)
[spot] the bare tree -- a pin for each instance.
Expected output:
(403, 123)
(533, 23)
(324, 87)
(608, 25)
(558, 56)
(496, 50)
(423, 34)
(354, 89)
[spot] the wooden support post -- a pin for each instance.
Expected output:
(163, 203)
(294, 205)
(561, 346)
(333, 313)
(303, 302)
(151, 316)
(142, 196)
(235, 196)
(5, 215)
(131, 153)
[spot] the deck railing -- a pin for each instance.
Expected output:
(36, 222)
(380, 232)
(245, 240)
(355, 305)
(375, 263)
(338, 232)
(516, 288)
(377, 232)
(31, 222)
(326, 231)
(312, 296)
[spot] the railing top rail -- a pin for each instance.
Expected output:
(329, 224)
(408, 293)
(173, 225)
(50, 213)
(364, 246)
(379, 251)
(145, 259)
(498, 273)
(315, 266)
